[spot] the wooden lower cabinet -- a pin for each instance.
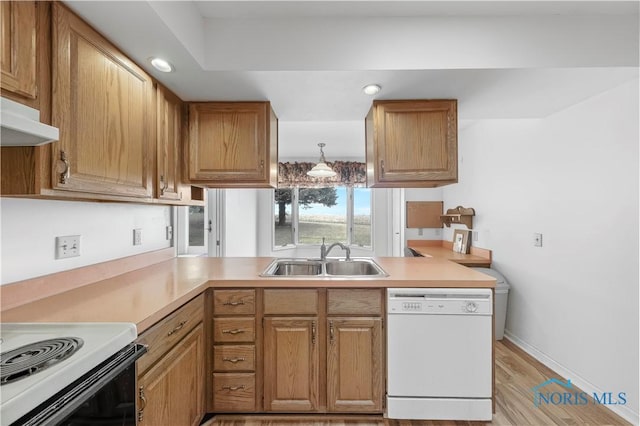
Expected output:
(291, 364)
(233, 371)
(313, 350)
(354, 365)
(234, 391)
(171, 392)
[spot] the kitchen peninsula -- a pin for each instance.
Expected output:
(245, 343)
(145, 296)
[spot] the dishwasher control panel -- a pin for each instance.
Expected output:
(440, 301)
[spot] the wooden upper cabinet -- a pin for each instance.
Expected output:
(233, 144)
(169, 115)
(412, 143)
(102, 104)
(18, 31)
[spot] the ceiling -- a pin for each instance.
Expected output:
(310, 59)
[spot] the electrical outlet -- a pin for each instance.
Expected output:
(137, 237)
(474, 236)
(67, 246)
(169, 232)
(537, 240)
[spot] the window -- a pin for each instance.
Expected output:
(191, 230)
(303, 216)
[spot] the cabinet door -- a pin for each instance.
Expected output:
(291, 364)
(355, 365)
(102, 105)
(171, 392)
(169, 124)
(18, 31)
(412, 143)
(230, 143)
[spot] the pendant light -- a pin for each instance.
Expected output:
(321, 169)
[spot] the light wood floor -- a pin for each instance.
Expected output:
(516, 374)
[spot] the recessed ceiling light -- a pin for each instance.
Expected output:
(371, 89)
(161, 65)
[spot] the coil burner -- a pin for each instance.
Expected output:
(29, 359)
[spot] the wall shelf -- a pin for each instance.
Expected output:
(460, 215)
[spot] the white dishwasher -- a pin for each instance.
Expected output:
(439, 344)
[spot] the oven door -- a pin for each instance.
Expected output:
(106, 395)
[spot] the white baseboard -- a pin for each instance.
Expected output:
(623, 411)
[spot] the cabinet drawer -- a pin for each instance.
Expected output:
(234, 330)
(169, 331)
(354, 302)
(234, 358)
(230, 302)
(234, 392)
(290, 301)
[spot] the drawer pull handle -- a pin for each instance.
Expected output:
(233, 388)
(178, 327)
(313, 332)
(234, 331)
(240, 302)
(331, 332)
(233, 360)
(64, 168)
(163, 185)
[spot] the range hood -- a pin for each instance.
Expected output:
(21, 126)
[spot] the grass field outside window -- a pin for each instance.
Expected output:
(347, 219)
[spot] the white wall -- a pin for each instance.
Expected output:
(572, 176)
(29, 228)
(241, 222)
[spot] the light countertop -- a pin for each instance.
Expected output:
(144, 296)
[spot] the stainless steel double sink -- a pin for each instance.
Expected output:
(316, 268)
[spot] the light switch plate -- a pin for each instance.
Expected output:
(137, 237)
(537, 239)
(67, 246)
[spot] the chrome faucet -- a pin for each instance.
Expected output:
(324, 251)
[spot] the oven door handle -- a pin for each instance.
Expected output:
(65, 402)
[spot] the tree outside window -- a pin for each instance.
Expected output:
(306, 215)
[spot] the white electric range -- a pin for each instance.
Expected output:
(66, 352)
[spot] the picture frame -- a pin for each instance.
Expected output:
(461, 241)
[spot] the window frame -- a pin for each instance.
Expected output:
(295, 217)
